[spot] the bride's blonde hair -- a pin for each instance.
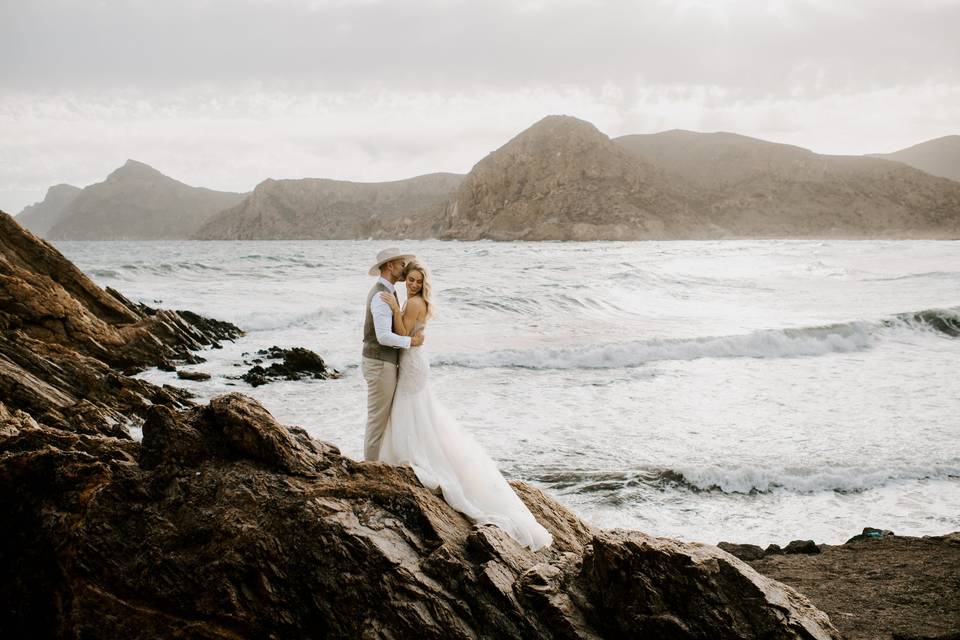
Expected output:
(427, 286)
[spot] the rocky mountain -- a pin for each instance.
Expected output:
(333, 209)
(137, 202)
(223, 523)
(42, 216)
(751, 188)
(938, 157)
(562, 179)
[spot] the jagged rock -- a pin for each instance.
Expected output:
(743, 551)
(801, 546)
(298, 363)
(62, 339)
(223, 523)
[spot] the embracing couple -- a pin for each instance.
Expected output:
(405, 422)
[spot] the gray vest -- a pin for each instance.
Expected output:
(372, 348)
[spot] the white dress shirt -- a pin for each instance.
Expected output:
(383, 320)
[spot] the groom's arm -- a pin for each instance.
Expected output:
(383, 325)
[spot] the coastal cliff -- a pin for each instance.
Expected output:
(316, 209)
(562, 179)
(752, 188)
(223, 523)
(137, 202)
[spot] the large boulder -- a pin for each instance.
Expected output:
(223, 523)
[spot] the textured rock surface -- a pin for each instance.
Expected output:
(877, 587)
(562, 179)
(137, 202)
(65, 344)
(224, 524)
(296, 363)
(42, 216)
(333, 209)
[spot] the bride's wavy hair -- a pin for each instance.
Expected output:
(425, 290)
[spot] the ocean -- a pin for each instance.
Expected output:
(748, 391)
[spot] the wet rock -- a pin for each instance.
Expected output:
(297, 363)
(801, 546)
(198, 376)
(742, 551)
(869, 533)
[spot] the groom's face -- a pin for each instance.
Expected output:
(396, 267)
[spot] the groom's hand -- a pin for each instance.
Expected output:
(417, 339)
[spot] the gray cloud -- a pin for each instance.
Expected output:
(750, 47)
(226, 93)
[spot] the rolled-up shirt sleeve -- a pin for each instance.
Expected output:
(383, 325)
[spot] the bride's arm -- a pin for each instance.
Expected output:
(404, 321)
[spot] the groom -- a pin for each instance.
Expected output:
(380, 348)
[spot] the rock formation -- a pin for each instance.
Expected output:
(938, 157)
(137, 202)
(319, 209)
(42, 216)
(877, 585)
(562, 179)
(66, 344)
(223, 523)
(752, 188)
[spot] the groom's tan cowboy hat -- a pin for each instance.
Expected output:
(386, 256)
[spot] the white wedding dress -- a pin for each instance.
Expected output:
(422, 434)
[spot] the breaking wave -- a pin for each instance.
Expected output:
(845, 337)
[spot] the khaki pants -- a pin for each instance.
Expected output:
(381, 380)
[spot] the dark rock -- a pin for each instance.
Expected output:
(772, 549)
(233, 525)
(895, 585)
(801, 546)
(869, 533)
(298, 363)
(63, 340)
(192, 375)
(743, 551)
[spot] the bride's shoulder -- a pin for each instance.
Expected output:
(416, 303)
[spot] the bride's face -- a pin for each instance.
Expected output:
(414, 283)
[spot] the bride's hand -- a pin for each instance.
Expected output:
(391, 300)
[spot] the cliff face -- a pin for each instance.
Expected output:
(331, 209)
(137, 202)
(65, 343)
(42, 216)
(749, 187)
(562, 179)
(938, 157)
(223, 523)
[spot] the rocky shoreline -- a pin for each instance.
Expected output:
(223, 523)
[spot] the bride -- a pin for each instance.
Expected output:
(422, 434)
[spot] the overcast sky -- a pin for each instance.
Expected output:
(226, 93)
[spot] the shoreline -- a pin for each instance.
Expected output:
(872, 588)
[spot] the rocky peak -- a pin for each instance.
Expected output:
(135, 170)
